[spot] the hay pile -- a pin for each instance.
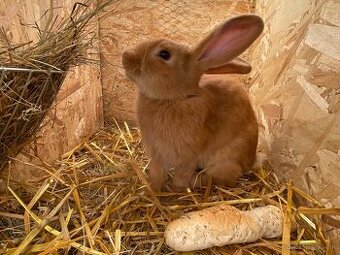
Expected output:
(96, 200)
(32, 74)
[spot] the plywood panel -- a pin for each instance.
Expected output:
(77, 112)
(296, 87)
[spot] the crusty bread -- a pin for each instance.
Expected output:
(221, 225)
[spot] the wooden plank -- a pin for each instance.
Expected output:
(77, 112)
(296, 68)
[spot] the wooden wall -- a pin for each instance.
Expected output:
(296, 88)
(77, 112)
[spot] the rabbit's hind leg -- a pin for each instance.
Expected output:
(223, 174)
(183, 175)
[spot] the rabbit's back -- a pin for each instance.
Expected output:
(232, 123)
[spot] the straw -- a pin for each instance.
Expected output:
(107, 207)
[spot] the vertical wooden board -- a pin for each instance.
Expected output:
(132, 21)
(77, 112)
(296, 73)
(70, 121)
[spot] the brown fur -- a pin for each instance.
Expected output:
(190, 122)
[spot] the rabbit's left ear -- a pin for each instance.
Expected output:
(237, 65)
(227, 41)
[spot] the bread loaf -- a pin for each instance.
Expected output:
(221, 225)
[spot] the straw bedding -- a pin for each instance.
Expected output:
(96, 200)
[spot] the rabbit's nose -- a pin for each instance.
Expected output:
(130, 60)
(127, 54)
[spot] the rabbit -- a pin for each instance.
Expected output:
(191, 116)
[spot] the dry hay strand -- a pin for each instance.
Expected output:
(96, 201)
(32, 74)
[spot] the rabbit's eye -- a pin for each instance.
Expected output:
(164, 54)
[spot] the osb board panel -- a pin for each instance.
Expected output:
(69, 122)
(296, 87)
(78, 108)
(132, 21)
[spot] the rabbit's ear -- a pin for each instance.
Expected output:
(237, 65)
(227, 41)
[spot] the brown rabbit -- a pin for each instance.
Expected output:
(189, 122)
